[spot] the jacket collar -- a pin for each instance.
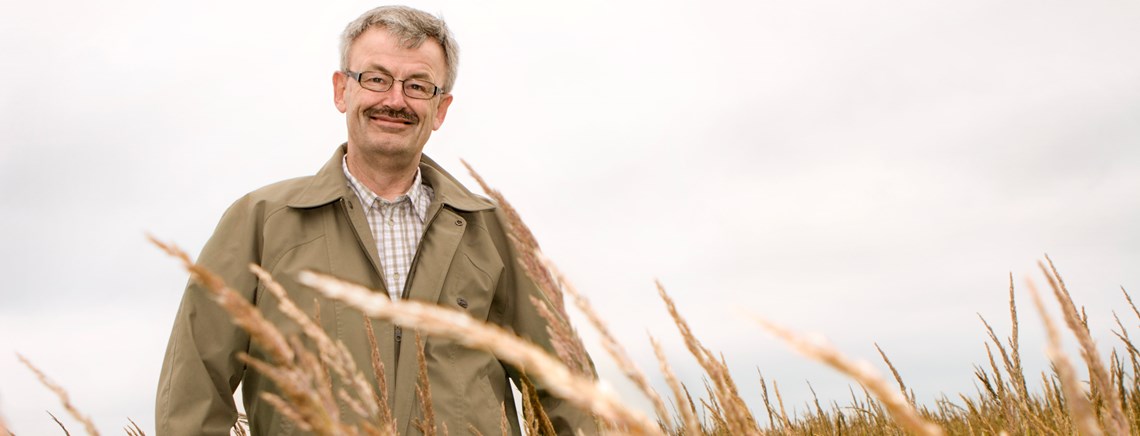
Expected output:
(330, 185)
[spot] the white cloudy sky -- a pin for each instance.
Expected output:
(870, 170)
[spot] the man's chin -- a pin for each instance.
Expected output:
(388, 149)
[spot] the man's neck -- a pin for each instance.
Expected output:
(384, 177)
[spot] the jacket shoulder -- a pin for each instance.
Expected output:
(246, 217)
(280, 193)
(266, 200)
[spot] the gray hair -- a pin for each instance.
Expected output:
(412, 27)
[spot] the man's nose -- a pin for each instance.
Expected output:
(394, 96)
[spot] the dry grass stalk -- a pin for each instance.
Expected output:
(333, 354)
(531, 424)
(521, 233)
(611, 345)
(244, 314)
(1078, 404)
(1116, 370)
(241, 427)
(356, 406)
(1078, 324)
(537, 422)
(895, 373)
(564, 339)
(764, 398)
(303, 395)
(298, 373)
(64, 399)
(688, 419)
(896, 404)
(785, 423)
(1009, 403)
(286, 409)
(458, 326)
(1130, 304)
(567, 342)
(1016, 371)
(737, 415)
(1133, 354)
(305, 385)
(1001, 350)
(316, 320)
(504, 423)
(1001, 398)
(385, 422)
(133, 429)
(719, 425)
(60, 424)
(689, 399)
(312, 374)
(426, 425)
(563, 335)
(1055, 397)
(815, 401)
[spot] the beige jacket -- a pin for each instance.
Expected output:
(465, 261)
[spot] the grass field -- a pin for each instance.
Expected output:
(1095, 392)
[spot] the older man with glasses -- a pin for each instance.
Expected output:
(381, 214)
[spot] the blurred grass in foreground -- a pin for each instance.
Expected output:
(316, 375)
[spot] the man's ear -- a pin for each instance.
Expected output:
(340, 82)
(441, 111)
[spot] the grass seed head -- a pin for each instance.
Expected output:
(64, 398)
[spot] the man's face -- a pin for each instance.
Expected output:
(389, 123)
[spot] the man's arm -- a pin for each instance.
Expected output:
(200, 370)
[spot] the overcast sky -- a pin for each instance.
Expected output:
(869, 171)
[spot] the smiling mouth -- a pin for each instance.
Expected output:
(391, 120)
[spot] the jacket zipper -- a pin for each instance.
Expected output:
(398, 333)
(405, 293)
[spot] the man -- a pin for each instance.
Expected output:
(381, 214)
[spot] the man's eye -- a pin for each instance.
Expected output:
(417, 86)
(377, 80)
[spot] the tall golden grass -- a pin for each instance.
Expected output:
(305, 366)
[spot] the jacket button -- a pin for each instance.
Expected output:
(458, 222)
(462, 302)
(399, 334)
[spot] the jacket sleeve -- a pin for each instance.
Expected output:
(200, 370)
(525, 321)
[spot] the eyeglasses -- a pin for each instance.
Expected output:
(382, 82)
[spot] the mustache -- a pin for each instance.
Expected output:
(386, 111)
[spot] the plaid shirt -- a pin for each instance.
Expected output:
(397, 226)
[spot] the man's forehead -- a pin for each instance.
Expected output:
(378, 39)
(398, 39)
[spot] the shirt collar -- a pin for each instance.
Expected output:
(419, 194)
(331, 184)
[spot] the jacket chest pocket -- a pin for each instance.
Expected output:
(470, 285)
